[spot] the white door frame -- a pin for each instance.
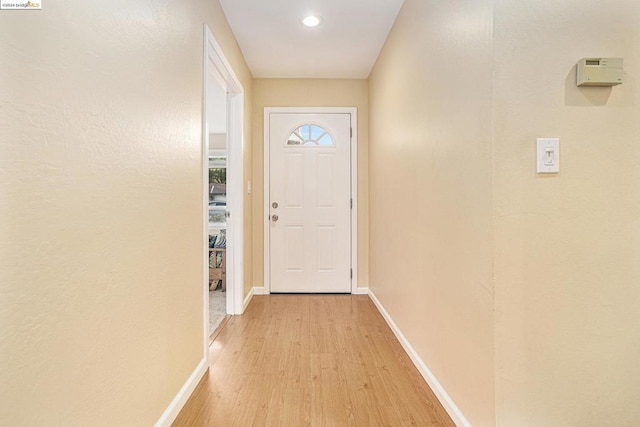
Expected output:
(353, 111)
(214, 62)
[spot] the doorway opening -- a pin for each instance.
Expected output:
(217, 236)
(222, 175)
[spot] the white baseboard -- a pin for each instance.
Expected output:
(260, 290)
(247, 299)
(361, 291)
(446, 401)
(174, 408)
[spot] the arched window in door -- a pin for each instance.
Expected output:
(310, 135)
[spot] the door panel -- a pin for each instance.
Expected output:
(325, 180)
(326, 243)
(294, 239)
(294, 180)
(310, 181)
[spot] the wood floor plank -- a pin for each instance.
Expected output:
(311, 360)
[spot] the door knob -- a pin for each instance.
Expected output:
(274, 218)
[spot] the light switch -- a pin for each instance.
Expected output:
(548, 158)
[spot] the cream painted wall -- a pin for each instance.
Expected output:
(431, 196)
(101, 206)
(567, 246)
(454, 113)
(310, 93)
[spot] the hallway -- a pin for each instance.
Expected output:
(294, 360)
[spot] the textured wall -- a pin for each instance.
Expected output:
(101, 206)
(431, 198)
(310, 93)
(567, 246)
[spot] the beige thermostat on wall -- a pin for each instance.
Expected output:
(599, 72)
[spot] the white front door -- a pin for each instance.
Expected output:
(310, 202)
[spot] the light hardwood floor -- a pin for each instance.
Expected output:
(320, 360)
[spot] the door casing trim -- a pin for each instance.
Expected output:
(353, 111)
(216, 62)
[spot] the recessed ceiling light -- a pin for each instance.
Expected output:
(311, 21)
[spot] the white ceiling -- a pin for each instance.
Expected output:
(276, 45)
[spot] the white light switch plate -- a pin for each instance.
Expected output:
(548, 155)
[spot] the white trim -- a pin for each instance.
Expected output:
(361, 291)
(266, 194)
(174, 408)
(205, 198)
(235, 205)
(260, 290)
(220, 62)
(446, 401)
(353, 111)
(354, 197)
